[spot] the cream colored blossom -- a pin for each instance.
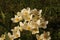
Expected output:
(26, 14)
(16, 19)
(27, 17)
(25, 11)
(11, 37)
(27, 26)
(33, 27)
(16, 32)
(44, 36)
(43, 24)
(35, 14)
(2, 37)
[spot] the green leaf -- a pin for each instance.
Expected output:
(3, 16)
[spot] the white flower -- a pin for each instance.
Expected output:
(16, 32)
(25, 11)
(26, 17)
(21, 26)
(2, 37)
(11, 37)
(16, 19)
(27, 26)
(26, 14)
(44, 36)
(43, 24)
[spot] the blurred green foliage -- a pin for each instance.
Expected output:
(51, 12)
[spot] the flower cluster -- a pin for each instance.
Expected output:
(30, 20)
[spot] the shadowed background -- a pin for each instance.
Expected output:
(51, 12)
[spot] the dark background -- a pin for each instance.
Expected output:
(51, 12)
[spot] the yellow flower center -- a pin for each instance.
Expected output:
(17, 19)
(17, 35)
(25, 13)
(28, 28)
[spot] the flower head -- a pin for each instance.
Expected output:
(44, 36)
(16, 19)
(2, 37)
